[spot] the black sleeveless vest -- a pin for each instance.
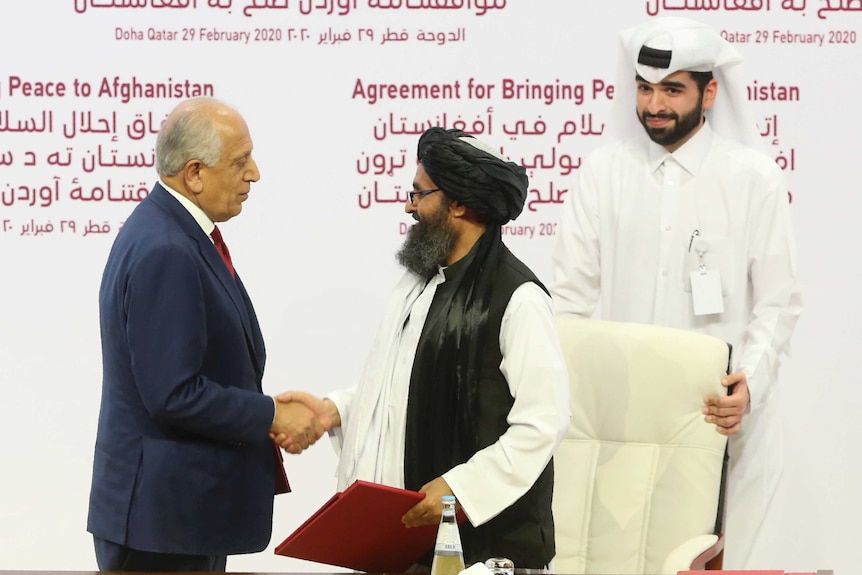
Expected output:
(523, 532)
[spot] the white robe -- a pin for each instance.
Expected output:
(373, 414)
(624, 240)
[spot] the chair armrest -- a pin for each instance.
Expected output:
(693, 554)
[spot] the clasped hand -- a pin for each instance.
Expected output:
(306, 419)
(296, 425)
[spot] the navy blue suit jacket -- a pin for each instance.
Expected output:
(183, 462)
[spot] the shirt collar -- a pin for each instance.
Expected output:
(690, 155)
(198, 214)
(452, 271)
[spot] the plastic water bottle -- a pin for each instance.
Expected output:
(448, 554)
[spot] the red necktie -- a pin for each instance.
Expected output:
(222, 250)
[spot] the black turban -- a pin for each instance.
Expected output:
(494, 189)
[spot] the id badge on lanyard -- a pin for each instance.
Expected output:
(705, 283)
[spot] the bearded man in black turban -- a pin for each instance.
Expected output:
(465, 391)
(459, 399)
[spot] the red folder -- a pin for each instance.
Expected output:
(360, 528)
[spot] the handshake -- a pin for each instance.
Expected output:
(301, 419)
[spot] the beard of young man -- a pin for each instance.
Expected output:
(428, 243)
(682, 127)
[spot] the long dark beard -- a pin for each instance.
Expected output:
(428, 243)
(682, 127)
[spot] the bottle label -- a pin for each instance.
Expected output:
(448, 541)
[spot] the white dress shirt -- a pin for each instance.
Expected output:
(625, 239)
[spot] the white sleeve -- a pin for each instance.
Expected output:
(343, 400)
(533, 365)
(576, 256)
(774, 283)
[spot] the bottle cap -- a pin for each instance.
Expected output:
(448, 499)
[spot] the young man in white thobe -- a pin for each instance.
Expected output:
(681, 221)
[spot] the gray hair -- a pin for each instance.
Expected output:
(189, 133)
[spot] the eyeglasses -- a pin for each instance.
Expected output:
(419, 194)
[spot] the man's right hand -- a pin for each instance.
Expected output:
(297, 425)
(727, 411)
(324, 411)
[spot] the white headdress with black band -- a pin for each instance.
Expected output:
(663, 46)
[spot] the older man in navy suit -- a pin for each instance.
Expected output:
(185, 469)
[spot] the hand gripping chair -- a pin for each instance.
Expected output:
(639, 478)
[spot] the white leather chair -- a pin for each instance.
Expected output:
(639, 475)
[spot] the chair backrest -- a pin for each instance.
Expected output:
(639, 472)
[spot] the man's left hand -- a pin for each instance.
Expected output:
(429, 510)
(726, 411)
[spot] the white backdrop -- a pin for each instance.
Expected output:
(315, 242)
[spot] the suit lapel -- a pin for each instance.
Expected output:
(232, 286)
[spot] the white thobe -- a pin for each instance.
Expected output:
(373, 413)
(630, 236)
